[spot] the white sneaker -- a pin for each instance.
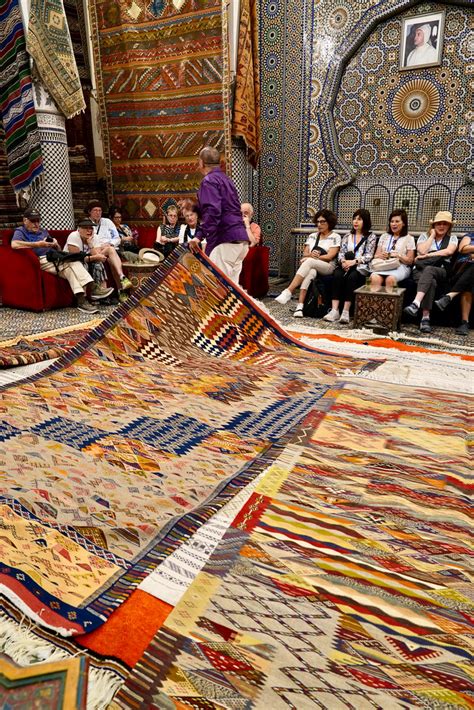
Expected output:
(284, 297)
(344, 317)
(298, 312)
(332, 316)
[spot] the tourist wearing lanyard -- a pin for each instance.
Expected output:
(396, 246)
(434, 252)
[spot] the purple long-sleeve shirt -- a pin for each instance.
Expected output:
(219, 210)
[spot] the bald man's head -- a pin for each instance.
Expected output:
(210, 156)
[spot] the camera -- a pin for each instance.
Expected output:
(349, 256)
(48, 239)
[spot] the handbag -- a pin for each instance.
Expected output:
(444, 262)
(385, 264)
(57, 257)
(315, 303)
(441, 261)
(316, 247)
(350, 255)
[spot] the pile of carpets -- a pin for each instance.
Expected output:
(206, 511)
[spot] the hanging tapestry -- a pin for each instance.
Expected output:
(49, 43)
(161, 80)
(138, 434)
(22, 142)
(246, 110)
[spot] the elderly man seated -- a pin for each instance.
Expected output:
(254, 232)
(105, 231)
(31, 236)
(106, 240)
(82, 241)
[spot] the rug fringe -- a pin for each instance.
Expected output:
(25, 648)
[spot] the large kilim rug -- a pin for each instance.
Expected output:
(224, 514)
(164, 95)
(161, 412)
(345, 581)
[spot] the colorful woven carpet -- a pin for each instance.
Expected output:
(246, 109)
(40, 347)
(22, 141)
(138, 435)
(344, 581)
(60, 685)
(162, 82)
(49, 43)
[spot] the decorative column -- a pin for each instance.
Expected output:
(54, 199)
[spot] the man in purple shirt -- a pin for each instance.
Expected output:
(221, 222)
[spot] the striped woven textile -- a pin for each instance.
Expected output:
(246, 112)
(161, 84)
(22, 140)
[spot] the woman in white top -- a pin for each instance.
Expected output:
(319, 257)
(395, 243)
(188, 230)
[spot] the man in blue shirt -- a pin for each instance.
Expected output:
(31, 236)
(221, 223)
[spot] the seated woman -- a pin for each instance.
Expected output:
(190, 216)
(461, 283)
(319, 257)
(128, 237)
(167, 235)
(431, 265)
(357, 251)
(253, 230)
(395, 244)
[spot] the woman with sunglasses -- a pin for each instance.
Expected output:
(319, 257)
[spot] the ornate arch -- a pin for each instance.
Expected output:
(343, 175)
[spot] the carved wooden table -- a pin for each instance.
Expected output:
(378, 307)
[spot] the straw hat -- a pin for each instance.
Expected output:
(443, 217)
(151, 256)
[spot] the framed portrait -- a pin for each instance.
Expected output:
(422, 41)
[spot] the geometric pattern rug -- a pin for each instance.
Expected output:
(346, 578)
(311, 550)
(163, 88)
(441, 338)
(129, 442)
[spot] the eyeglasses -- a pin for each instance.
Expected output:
(34, 220)
(321, 221)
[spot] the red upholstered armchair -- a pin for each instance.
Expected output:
(254, 274)
(23, 284)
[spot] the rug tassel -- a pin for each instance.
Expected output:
(23, 647)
